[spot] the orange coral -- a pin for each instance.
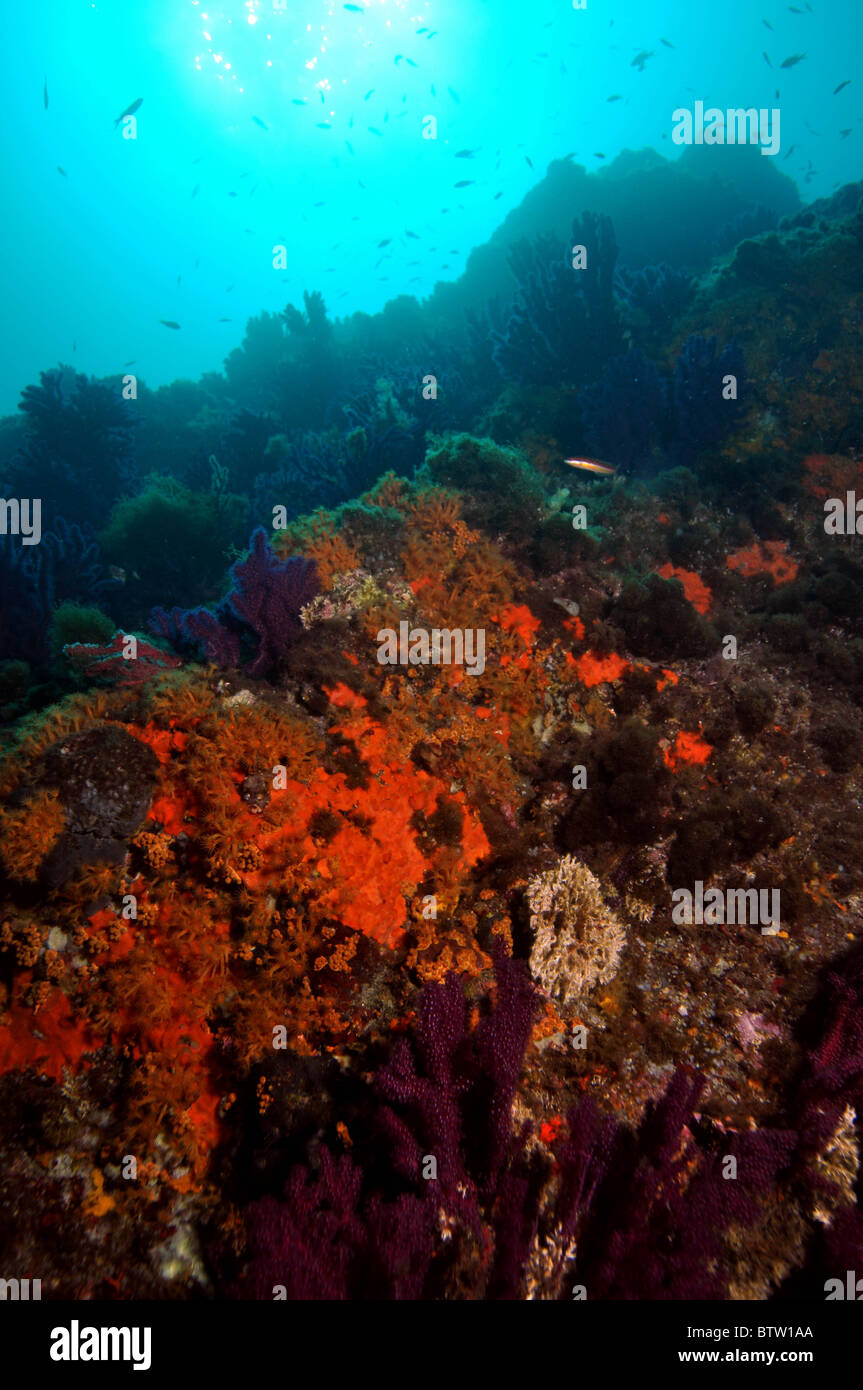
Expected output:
(27, 834)
(689, 749)
(764, 557)
(832, 475)
(698, 593)
(518, 618)
(593, 669)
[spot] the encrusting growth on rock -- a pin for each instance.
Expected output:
(578, 939)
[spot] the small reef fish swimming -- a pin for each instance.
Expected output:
(45, 94)
(607, 470)
(130, 111)
(169, 323)
(261, 123)
(795, 58)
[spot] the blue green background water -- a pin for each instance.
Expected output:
(91, 257)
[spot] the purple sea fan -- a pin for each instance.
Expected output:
(198, 630)
(268, 594)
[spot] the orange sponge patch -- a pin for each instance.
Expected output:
(698, 593)
(764, 557)
(688, 750)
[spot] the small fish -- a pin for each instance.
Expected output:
(791, 151)
(370, 93)
(432, 34)
(466, 154)
(667, 44)
(115, 571)
(131, 362)
(169, 323)
(497, 195)
(411, 62)
(641, 58)
(232, 195)
(844, 133)
(299, 101)
(195, 191)
(130, 111)
(319, 205)
(398, 58)
(386, 241)
(597, 154)
(592, 466)
(795, 58)
(350, 147)
(616, 97)
(465, 183)
(45, 94)
(261, 123)
(423, 30)
(841, 85)
(374, 130)
(529, 160)
(794, 9)
(767, 25)
(323, 125)
(433, 90)
(356, 9)
(226, 320)
(62, 171)
(413, 235)
(454, 94)
(179, 278)
(766, 58)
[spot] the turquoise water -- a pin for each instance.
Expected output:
(179, 223)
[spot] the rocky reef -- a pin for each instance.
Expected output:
(326, 974)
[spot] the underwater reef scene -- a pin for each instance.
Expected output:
(431, 846)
